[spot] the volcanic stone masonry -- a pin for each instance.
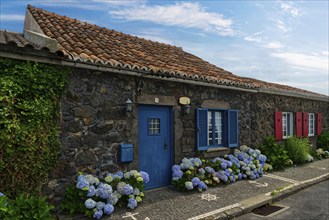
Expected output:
(94, 121)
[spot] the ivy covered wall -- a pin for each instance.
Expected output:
(29, 123)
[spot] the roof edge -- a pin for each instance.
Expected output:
(148, 74)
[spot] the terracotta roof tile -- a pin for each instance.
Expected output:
(91, 43)
(18, 40)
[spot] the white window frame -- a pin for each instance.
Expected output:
(287, 125)
(311, 124)
(218, 128)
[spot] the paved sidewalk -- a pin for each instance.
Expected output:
(225, 201)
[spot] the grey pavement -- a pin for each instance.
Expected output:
(225, 201)
(310, 203)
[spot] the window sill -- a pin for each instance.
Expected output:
(216, 149)
(216, 152)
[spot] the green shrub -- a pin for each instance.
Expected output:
(298, 149)
(25, 207)
(29, 112)
(277, 155)
(323, 141)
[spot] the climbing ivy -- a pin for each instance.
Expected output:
(29, 117)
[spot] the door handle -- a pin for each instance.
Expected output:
(165, 146)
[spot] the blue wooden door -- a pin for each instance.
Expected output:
(155, 143)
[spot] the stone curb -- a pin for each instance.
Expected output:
(250, 204)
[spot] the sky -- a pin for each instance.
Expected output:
(284, 42)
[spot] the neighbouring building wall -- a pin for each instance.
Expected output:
(94, 121)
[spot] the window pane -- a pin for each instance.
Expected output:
(288, 124)
(284, 124)
(209, 128)
(218, 128)
(311, 124)
(154, 126)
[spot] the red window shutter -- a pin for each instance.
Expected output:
(299, 124)
(305, 124)
(319, 123)
(278, 125)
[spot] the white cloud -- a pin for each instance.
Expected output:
(290, 8)
(189, 15)
(282, 26)
(11, 17)
(325, 53)
(71, 4)
(274, 45)
(121, 2)
(157, 38)
(304, 60)
(254, 37)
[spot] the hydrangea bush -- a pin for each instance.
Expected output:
(321, 154)
(194, 173)
(99, 197)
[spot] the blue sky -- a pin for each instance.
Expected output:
(285, 42)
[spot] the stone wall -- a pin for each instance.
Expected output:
(94, 121)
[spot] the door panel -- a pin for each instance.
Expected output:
(155, 143)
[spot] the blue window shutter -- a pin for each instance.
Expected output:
(201, 129)
(233, 140)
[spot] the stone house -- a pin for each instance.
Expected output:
(132, 103)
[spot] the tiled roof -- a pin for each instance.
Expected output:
(84, 42)
(16, 39)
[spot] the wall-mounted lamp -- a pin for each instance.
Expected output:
(129, 106)
(185, 102)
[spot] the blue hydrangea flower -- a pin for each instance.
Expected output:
(108, 209)
(195, 181)
(100, 205)
(103, 192)
(90, 204)
(202, 185)
(120, 187)
(209, 170)
(98, 214)
(175, 168)
(107, 187)
(196, 162)
(202, 171)
(186, 163)
(127, 190)
(1, 194)
(119, 175)
(178, 174)
(145, 176)
(132, 203)
(223, 165)
(81, 177)
(91, 191)
(90, 179)
(189, 185)
(113, 199)
(82, 183)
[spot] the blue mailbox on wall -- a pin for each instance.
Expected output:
(126, 153)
